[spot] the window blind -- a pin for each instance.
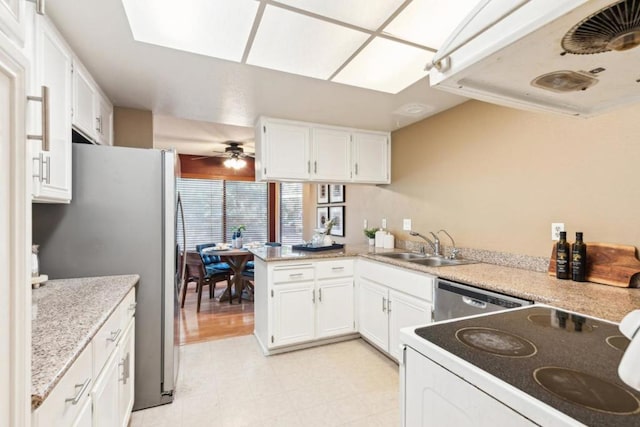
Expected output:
(213, 207)
(290, 213)
(246, 203)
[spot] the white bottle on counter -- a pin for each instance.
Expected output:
(380, 238)
(388, 241)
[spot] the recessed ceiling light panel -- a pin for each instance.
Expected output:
(217, 28)
(429, 22)
(299, 44)
(386, 66)
(362, 13)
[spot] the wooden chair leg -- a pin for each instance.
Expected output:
(199, 294)
(185, 285)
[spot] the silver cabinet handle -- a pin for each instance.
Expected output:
(384, 305)
(337, 268)
(114, 335)
(133, 305)
(315, 167)
(292, 275)
(97, 124)
(320, 294)
(75, 399)
(126, 368)
(356, 169)
(39, 6)
(308, 166)
(41, 163)
(43, 99)
(389, 306)
(313, 296)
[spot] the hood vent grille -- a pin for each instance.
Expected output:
(616, 27)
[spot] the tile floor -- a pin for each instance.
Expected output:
(230, 383)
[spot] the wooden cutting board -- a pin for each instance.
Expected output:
(607, 263)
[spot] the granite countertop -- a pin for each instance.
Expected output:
(67, 313)
(602, 301)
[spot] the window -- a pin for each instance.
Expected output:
(290, 213)
(213, 207)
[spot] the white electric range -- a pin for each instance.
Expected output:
(535, 365)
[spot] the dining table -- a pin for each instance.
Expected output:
(237, 259)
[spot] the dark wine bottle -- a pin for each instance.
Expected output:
(579, 259)
(563, 255)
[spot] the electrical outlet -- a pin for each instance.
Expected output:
(365, 224)
(384, 222)
(556, 228)
(406, 224)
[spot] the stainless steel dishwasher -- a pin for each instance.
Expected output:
(454, 300)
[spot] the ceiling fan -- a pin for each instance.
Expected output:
(233, 152)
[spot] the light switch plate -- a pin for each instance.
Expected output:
(384, 223)
(406, 224)
(365, 224)
(556, 228)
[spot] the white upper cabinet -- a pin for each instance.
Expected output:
(12, 17)
(371, 157)
(92, 111)
(83, 101)
(283, 151)
(52, 69)
(331, 154)
(298, 151)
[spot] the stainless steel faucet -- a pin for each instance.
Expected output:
(454, 250)
(434, 245)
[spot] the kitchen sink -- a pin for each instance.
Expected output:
(441, 262)
(405, 256)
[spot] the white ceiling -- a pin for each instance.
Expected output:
(177, 84)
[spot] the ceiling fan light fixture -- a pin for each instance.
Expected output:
(235, 163)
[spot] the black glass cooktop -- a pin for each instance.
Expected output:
(568, 361)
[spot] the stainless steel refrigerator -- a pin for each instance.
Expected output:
(123, 220)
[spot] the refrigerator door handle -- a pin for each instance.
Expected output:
(184, 242)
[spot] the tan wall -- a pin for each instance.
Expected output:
(496, 178)
(132, 128)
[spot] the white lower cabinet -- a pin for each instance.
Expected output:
(303, 302)
(390, 299)
(293, 309)
(97, 390)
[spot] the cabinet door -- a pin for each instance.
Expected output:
(53, 68)
(126, 374)
(84, 418)
(286, 151)
(405, 310)
(331, 155)
(104, 121)
(371, 157)
(12, 16)
(335, 307)
(105, 395)
(84, 117)
(373, 318)
(292, 313)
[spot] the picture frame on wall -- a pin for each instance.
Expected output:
(336, 193)
(323, 193)
(322, 216)
(337, 212)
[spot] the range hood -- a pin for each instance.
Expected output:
(575, 57)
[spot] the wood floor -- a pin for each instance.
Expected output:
(216, 320)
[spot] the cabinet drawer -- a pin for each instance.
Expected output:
(104, 342)
(66, 400)
(293, 273)
(330, 269)
(419, 285)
